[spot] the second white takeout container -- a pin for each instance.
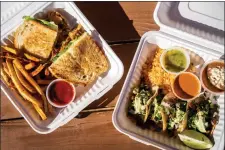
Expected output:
(205, 42)
(11, 18)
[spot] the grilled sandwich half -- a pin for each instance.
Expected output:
(36, 37)
(74, 34)
(81, 62)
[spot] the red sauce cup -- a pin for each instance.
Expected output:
(60, 93)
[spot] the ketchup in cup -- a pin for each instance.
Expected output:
(60, 93)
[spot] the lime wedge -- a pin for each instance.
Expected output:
(195, 139)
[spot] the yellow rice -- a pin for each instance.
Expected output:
(154, 73)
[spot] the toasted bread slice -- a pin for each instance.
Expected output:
(35, 38)
(81, 63)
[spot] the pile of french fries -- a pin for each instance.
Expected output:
(29, 76)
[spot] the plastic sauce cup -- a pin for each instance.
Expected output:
(204, 78)
(60, 93)
(184, 51)
(189, 83)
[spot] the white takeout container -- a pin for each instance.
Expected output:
(11, 18)
(174, 31)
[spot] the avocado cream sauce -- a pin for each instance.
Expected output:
(174, 61)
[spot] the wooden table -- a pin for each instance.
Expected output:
(121, 24)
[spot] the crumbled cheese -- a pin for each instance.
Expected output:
(216, 76)
(142, 107)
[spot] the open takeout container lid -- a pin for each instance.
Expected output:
(173, 25)
(11, 18)
(209, 13)
(170, 17)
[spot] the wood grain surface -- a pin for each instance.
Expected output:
(94, 132)
(121, 24)
(120, 21)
